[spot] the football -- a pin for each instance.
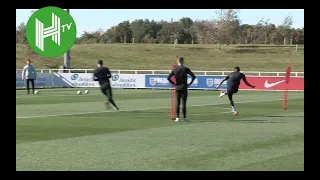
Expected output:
(36, 92)
(86, 91)
(79, 92)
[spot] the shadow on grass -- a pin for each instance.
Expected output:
(196, 48)
(264, 46)
(257, 121)
(251, 50)
(145, 112)
(285, 116)
(248, 118)
(240, 121)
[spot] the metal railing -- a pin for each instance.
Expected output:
(121, 71)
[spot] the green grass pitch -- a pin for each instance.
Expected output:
(60, 130)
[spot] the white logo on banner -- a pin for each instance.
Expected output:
(115, 77)
(124, 81)
(74, 77)
(117, 80)
(158, 80)
(152, 81)
(209, 82)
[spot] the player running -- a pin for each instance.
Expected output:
(181, 75)
(102, 74)
(233, 86)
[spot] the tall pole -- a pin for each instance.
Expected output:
(67, 56)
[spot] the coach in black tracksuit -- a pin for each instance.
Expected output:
(102, 74)
(181, 85)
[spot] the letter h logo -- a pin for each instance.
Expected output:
(53, 31)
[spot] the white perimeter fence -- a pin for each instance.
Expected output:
(206, 80)
(223, 73)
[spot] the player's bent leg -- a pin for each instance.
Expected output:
(110, 99)
(104, 91)
(178, 101)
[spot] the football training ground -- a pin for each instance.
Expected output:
(60, 130)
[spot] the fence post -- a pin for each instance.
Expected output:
(52, 82)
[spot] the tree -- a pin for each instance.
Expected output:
(21, 38)
(188, 31)
(139, 29)
(245, 33)
(123, 32)
(263, 29)
(228, 24)
(285, 28)
(21, 34)
(225, 29)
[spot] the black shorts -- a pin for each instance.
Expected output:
(232, 90)
(106, 90)
(105, 86)
(182, 93)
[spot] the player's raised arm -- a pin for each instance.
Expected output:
(170, 76)
(245, 81)
(192, 75)
(223, 80)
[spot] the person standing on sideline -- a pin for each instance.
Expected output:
(29, 74)
(181, 75)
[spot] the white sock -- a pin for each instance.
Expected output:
(233, 108)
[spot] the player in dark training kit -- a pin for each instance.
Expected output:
(181, 85)
(233, 86)
(102, 74)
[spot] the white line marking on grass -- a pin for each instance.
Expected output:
(128, 110)
(203, 114)
(200, 114)
(47, 95)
